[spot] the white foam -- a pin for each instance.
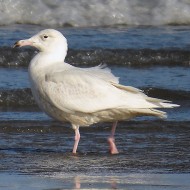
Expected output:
(95, 12)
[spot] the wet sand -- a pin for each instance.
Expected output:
(139, 181)
(37, 155)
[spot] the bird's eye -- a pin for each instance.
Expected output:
(45, 36)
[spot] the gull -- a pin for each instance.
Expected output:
(82, 96)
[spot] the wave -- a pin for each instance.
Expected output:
(22, 98)
(17, 98)
(94, 13)
(52, 126)
(120, 57)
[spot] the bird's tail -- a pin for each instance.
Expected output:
(152, 103)
(148, 112)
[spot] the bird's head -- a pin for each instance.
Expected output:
(49, 41)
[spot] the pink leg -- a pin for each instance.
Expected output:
(77, 139)
(111, 140)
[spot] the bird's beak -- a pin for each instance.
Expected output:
(21, 43)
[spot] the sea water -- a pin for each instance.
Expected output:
(35, 151)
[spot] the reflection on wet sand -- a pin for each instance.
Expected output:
(129, 181)
(77, 182)
(60, 181)
(110, 182)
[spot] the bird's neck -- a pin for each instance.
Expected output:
(46, 59)
(43, 63)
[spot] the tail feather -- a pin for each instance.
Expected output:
(161, 103)
(169, 105)
(149, 112)
(156, 102)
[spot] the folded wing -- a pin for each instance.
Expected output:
(93, 90)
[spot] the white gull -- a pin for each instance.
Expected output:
(82, 96)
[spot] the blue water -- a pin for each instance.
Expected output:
(12, 78)
(111, 38)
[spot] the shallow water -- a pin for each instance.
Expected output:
(154, 154)
(42, 147)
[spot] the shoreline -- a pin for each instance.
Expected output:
(138, 181)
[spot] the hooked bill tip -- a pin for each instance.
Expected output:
(16, 44)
